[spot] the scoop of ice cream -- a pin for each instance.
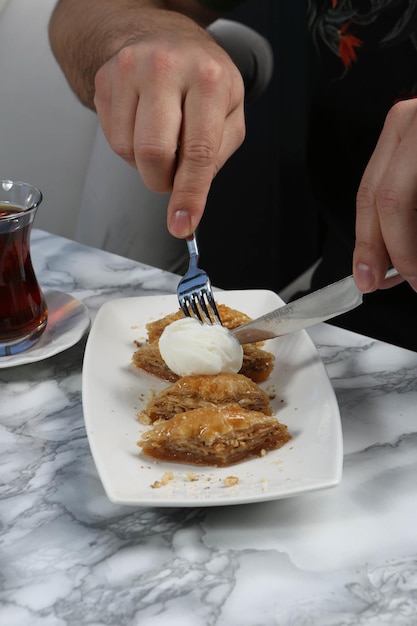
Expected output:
(190, 347)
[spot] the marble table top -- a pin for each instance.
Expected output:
(69, 557)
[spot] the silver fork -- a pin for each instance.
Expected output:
(194, 290)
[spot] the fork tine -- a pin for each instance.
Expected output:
(213, 307)
(203, 306)
(193, 304)
(184, 307)
(189, 307)
(194, 290)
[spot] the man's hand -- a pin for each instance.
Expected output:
(172, 106)
(386, 219)
(169, 98)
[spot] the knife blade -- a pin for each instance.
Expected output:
(315, 307)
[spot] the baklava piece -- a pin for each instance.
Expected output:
(257, 363)
(230, 319)
(192, 392)
(214, 435)
(148, 358)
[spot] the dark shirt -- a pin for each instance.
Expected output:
(363, 56)
(364, 59)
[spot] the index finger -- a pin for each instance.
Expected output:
(212, 129)
(386, 223)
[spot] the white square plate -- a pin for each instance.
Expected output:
(114, 392)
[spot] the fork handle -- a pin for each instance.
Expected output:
(192, 249)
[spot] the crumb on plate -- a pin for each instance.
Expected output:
(230, 481)
(166, 478)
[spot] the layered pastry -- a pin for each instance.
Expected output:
(257, 363)
(214, 435)
(206, 418)
(231, 318)
(202, 391)
(148, 358)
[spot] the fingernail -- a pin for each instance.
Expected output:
(181, 224)
(365, 277)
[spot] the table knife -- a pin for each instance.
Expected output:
(315, 307)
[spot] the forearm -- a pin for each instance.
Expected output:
(84, 34)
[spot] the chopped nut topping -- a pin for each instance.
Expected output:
(230, 481)
(164, 480)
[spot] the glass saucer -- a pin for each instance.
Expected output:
(68, 320)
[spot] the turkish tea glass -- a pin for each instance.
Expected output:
(23, 309)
